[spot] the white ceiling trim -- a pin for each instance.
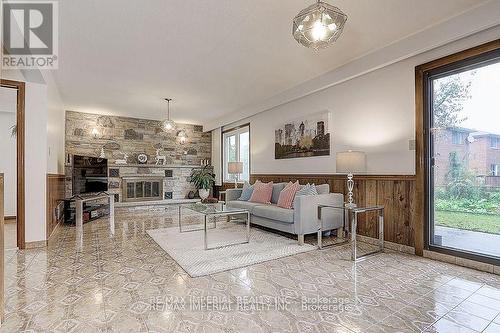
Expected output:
(477, 19)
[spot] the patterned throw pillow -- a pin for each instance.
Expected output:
(306, 190)
(287, 195)
(246, 193)
(262, 192)
(313, 190)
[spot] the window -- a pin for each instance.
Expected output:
(494, 142)
(236, 145)
(495, 169)
(457, 138)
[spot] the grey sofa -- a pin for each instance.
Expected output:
(301, 220)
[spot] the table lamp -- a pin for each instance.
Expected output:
(235, 168)
(351, 162)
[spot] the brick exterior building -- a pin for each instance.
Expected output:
(478, 151)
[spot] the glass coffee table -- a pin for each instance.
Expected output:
(212, 211)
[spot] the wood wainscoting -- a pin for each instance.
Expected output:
(55, 193)
(226, 186)
(396, 193)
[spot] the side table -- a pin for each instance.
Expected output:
(354, 212)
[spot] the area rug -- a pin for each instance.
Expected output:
(188, 251)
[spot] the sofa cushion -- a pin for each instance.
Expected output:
(307, 190)
(287, 194)
(262, 192)
(323, 189)
(274, 213)
(243, 204)
(246, 193)
(277, 188)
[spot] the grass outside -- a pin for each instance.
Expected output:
(468, 221)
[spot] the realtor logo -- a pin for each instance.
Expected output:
(30, 34)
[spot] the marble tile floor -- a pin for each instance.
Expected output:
(121, 281)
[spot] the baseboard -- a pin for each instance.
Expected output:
(35, 245)
(387, 245)
(480, 266)
(44, 243)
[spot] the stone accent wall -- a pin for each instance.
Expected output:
(131, 136)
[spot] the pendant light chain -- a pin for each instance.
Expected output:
(168, 107)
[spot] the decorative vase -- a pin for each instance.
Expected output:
(191, 195)
(204, 193)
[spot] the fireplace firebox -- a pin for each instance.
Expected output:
(142, 189)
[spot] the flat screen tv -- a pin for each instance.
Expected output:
(90, 175)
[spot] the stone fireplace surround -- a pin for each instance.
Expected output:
(133, 136)
(175, 179)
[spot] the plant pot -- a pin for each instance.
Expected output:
(203, 193)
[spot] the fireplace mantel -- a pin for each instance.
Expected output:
(141, 176)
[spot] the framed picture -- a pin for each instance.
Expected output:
(305, 137)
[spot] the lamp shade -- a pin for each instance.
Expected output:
(234, 168)
(351, 162)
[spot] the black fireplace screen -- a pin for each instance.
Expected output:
(137, 190)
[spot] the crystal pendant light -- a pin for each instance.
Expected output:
(318, 25)
(168, 124)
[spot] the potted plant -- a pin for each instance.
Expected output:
(203, 180)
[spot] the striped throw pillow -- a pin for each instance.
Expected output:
(262, 192)
(287, 195)
(307, 190)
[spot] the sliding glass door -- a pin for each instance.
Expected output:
(463, 154)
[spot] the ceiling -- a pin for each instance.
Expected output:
(212, 57)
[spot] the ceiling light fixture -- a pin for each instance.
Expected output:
(319, 25)
(168, 124)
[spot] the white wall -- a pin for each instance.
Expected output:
(8, 157)
(55, 127)
(35, 160)
(44, 144)
(374, 113)
(36, 111)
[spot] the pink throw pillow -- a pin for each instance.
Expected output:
(262, 192)
(287, 195)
